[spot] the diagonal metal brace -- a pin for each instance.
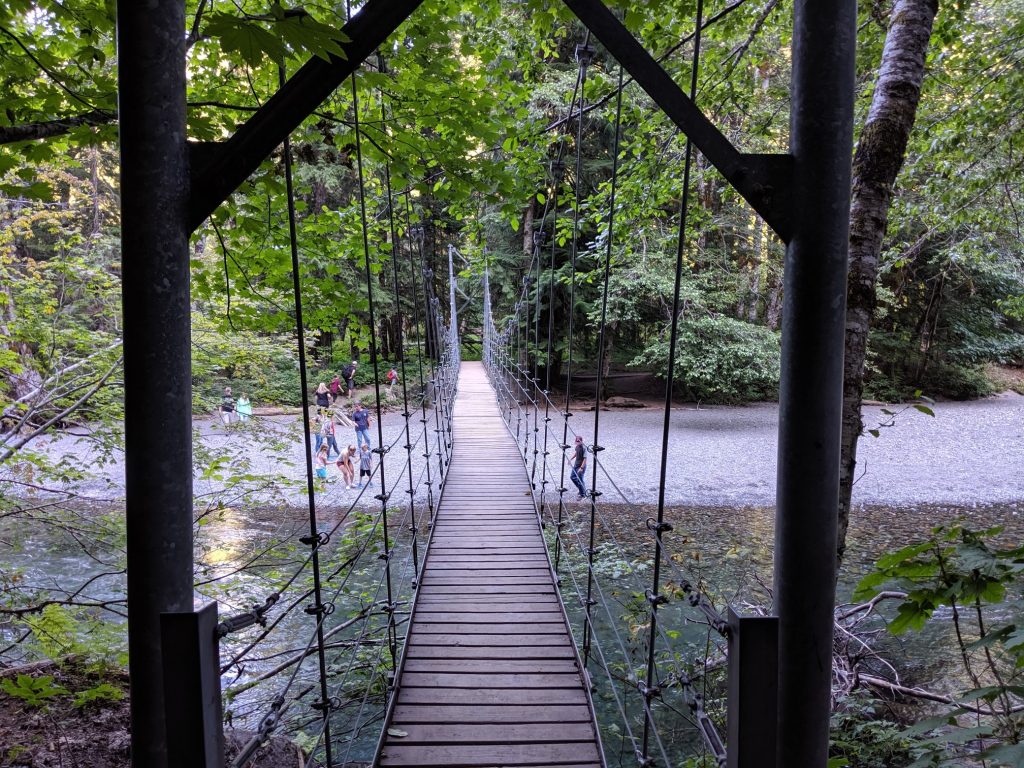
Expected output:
(218, 170)
(765, 181)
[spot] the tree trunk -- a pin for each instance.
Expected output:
(876, 163)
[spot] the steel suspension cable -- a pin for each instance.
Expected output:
(661, 527)
(314, 533)
(414, 274)
(596, 447)
(395, 253)
(583, 55)
(380, 449)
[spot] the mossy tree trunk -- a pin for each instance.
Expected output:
(880, 153)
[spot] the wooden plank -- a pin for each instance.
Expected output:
(454, 628)
(518, 680)
(424, 650)
(455, 639)
(535, 697)
(487, 733)
(490, 676)
(498, 666)
(490, 755)
(489, 619)
(457, 713)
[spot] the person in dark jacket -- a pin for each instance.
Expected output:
(579, 467)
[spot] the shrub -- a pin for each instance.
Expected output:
(720, 360)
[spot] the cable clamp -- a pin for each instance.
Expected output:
(385, 555)
(389, 608)
(410, 491)
(332, 705)
(381, 449)
(320, 540)
(595, 448)
(595, 493)
(324, 608)
(383, 497)
(648, 692)
(591, 551)
(406, 414)
(655, 599)
(258, 615)
(641, 761)
(654, 525)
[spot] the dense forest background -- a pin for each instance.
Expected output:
(471, 129)
(461, 119)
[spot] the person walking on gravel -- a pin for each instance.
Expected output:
(348, 373)
(579, 467)
(227, 407)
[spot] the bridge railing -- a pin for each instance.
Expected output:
(662, 656)
(314, 659)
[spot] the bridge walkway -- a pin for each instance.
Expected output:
(490, 675)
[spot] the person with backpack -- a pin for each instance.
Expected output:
(348, 373)
(392, 379)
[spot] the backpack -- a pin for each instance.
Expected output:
(348, 372)
(392, 376)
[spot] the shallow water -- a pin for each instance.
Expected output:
(727, 550)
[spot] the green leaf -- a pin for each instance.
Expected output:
(924, 409)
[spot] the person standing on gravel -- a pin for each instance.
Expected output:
(361, 419)
(335, 387)
(349, 374)
(227, 407)
(579, 467)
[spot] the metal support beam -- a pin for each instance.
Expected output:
(763, 180)
(157, 362)
(195, 731)
(753, 690)
(810, 397)
(219, 169)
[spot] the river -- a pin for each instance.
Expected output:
(963, 463)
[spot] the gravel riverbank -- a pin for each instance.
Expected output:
(968, 453)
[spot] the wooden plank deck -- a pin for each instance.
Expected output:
(490, 676)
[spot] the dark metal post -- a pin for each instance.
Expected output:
(753, 690)
(812, 373)
(195, 733)
(157, 362)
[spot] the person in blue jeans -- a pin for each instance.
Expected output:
(361, 418)
(579, 467)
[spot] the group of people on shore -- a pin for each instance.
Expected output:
(327, 449)
(232, 410)
(324, 428)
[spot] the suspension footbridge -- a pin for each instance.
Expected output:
(490, 674)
